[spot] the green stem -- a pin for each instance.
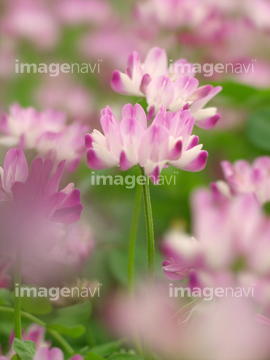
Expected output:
(37, 321)
(132, 239)
(149, 229)
(17, 298)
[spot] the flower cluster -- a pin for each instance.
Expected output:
(172, 87)
(231, 234)
(45, 132)
(243, 178)
(168, 140)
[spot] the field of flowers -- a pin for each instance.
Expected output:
(134, 180)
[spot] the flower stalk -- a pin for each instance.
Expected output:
(149, 231)
(17, 298)
(132, 239)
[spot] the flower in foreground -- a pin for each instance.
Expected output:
(172, 87)
(245, 178)
(32, 207)
(195, 331)
(167, 141)
(45, 132)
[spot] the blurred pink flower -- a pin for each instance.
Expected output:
(101, 43)
(73, 245)
(171, 14)
(226, 329)
(65, 95)
(245, 178)
(259, 11)
(172, 87)
(233, 237)
(76, 12)
(45, 353)
(46, 132)
(168, 140)
(32, 206)
(30, 20)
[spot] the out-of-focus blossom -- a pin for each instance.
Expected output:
(30, 20)
(232, 236)
(259, 11)
(46, 132)
(32, 207)
(101, 44)
(171, 14)
(227, 329)
(73, 245)
(172, 87)
(168, 140)
(8, 51)
(77, 12)
(258, 77)
(45, 353)
(245, 178)
(63, 94)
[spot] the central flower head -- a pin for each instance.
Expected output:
(168, 140)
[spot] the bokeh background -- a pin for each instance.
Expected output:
(69, 31)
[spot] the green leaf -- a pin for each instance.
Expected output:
(126, 357)
(73, 332)
(236, 93)
(25, 349)
(107, 349)
(70, 316)
(93, 356)
(118, 266)
(258, 129)
(36, 305)
(6, 297)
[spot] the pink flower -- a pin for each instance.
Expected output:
(34, 333)
(75, 12)
(32, 206)
(259, 11)
(53, 354)
(63, 93)
(32, 21)
(172, 14)
(72, 247)
(168, 140)
(245, 178)
(232, 238)
(46, 132)
(172, 88)
(221, 330)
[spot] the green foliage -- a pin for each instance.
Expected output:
(125, 357)
(73, 332)
(107, 349)
(258, 129)
(36, 305)
(25, 349)
(6, 297)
